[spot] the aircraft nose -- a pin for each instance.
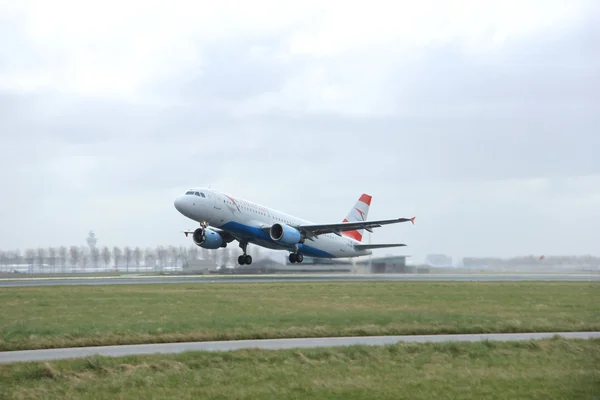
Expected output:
(178, 203)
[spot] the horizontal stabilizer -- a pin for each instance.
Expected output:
(376, 246)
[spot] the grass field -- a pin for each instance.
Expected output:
(63, 316)
(548, 369)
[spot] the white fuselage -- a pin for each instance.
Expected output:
(246, 221)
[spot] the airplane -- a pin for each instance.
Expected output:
(224, 218)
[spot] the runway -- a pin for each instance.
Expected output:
(269, 344)
(277, 278)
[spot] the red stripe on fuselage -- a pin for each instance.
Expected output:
(352, 234)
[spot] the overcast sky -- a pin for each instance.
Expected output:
(482, 119)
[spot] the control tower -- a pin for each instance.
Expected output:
(92, 240)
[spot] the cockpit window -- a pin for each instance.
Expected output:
(194, 193)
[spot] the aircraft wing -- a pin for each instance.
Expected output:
(376, 246)
(320, 229)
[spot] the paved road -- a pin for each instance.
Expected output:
(128, 280)
(270, 344)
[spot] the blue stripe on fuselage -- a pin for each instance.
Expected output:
(245, 231)
(251, 233)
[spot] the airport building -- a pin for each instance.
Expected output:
(375, 265)
(198, 266)
(387, 265)
(438, 260)
(321, 261)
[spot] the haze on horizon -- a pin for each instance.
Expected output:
(479, 118)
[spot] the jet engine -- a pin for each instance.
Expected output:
(285, 234)
(208, 239)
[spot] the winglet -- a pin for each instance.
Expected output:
(413, 220)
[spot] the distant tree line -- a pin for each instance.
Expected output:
(63, 258)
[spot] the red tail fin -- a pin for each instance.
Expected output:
(358, 213)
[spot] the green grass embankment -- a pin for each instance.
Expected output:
(65, 316)
(548, 369)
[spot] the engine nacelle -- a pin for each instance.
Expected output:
(285, 234)
(208, 239)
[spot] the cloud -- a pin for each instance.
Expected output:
(479, 118)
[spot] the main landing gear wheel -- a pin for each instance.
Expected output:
(296, 257)
(244, 259)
